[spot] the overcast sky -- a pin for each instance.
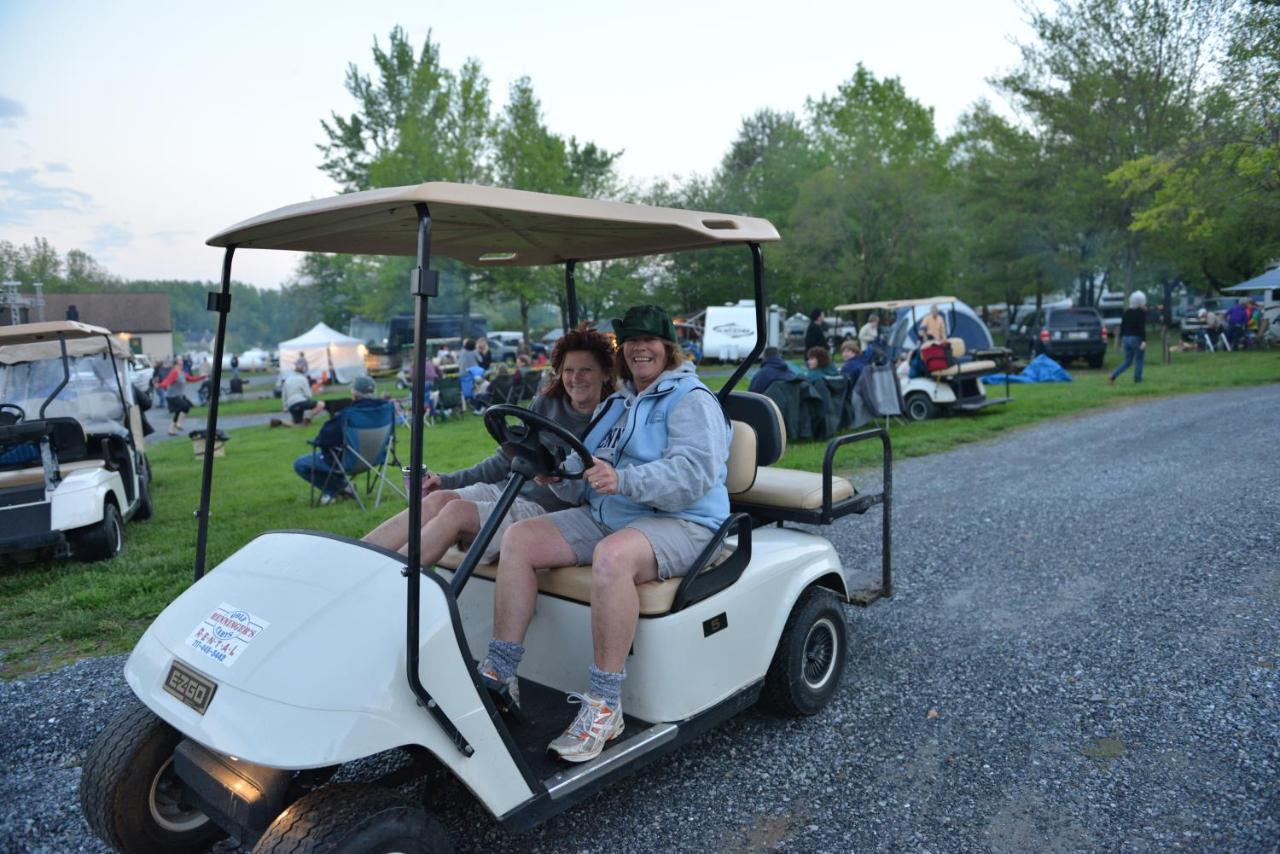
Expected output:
(136, 130)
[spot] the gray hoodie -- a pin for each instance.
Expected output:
(497, 468)
(693, 462)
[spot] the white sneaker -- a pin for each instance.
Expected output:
(595, 726)
(505, 691)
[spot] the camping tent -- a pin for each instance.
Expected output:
(328, 353)
(962, 322)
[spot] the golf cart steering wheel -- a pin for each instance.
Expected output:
(522, 440)
(11, 413)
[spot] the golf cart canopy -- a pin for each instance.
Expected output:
(32, 342)
(490, 226)
(894, 304)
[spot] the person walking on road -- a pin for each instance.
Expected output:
(1133, 337)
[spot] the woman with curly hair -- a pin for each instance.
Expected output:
(456, 505)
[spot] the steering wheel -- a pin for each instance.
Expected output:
(523, 440)
(11, 413)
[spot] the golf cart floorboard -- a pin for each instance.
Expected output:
(544, 715)
(974, 404)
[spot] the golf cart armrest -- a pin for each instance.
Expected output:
(859, 503)
(702, 581)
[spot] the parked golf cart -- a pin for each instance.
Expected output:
(293, 657)
(73, 468)
(971, 355)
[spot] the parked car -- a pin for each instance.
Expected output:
(1062, 334)
(504, 345)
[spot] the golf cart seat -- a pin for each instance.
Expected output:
(978, 366)
(574, 582)
(776, 494)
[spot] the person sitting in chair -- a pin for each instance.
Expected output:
(651, 498)
(772, 368)
(295, 397)
(322, 469)
(457, 504)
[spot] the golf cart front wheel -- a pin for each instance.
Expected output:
(130, 795)
(104, 540)
(354, 817)
(809, 662)
(920, 407)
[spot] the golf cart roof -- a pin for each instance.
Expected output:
(29, 342)
(490, 226)
(893, 304)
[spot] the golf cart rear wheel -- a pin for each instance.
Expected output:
(104, 540)
(130, 795)
(353, 817)
(146, 507)
(809, 662)
(920, 407)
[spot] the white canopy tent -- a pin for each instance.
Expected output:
(327, 351)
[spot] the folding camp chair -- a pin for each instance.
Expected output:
(530, 380)
(449, 397)
(368, 448)
(502, 389)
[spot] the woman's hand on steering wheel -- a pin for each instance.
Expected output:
(602, 477)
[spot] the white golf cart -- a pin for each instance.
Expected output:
(956, 388)
(73, 468)
(304, 651)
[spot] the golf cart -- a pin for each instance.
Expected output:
(73, 468)
(970, 355)
(304, 651)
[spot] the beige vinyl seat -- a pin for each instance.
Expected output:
(978, 366)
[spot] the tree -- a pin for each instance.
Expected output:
(1106, 82)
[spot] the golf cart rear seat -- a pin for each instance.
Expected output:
(790, 495)
(978, 366)
(66, 441)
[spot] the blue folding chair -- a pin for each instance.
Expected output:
(368, 448)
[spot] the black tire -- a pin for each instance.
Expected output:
(1097, 361)
(104, 540)
(146, 507)
(1062, 360)
(919, 407)
(809, 662)
(130, 795)
(350, 818)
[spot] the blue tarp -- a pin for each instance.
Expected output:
(1041, 369)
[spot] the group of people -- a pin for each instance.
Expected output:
(650, 498)
(1240, 325)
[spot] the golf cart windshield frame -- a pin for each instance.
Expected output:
(639, 231)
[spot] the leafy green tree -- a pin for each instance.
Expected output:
(1106, 82)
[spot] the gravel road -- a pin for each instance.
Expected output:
(1080, 654)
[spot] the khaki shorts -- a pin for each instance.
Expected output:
(676, 543)
(485, 497)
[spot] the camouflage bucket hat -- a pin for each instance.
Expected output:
(642, 320)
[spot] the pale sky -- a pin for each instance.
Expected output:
(136, 130)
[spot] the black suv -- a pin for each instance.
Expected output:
(1062, 334)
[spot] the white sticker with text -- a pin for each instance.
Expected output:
(225, 633)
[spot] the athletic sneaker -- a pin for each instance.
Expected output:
(595, 726)
(506, 692)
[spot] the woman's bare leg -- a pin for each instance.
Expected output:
(393, 534)
(527, 546)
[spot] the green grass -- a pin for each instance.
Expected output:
(51, 614)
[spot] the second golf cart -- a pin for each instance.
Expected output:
(73, 468)
(304, 651)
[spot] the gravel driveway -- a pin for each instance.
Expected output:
(1081, 654)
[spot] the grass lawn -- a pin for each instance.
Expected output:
(51, 614)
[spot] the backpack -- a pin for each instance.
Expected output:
(936, 357)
